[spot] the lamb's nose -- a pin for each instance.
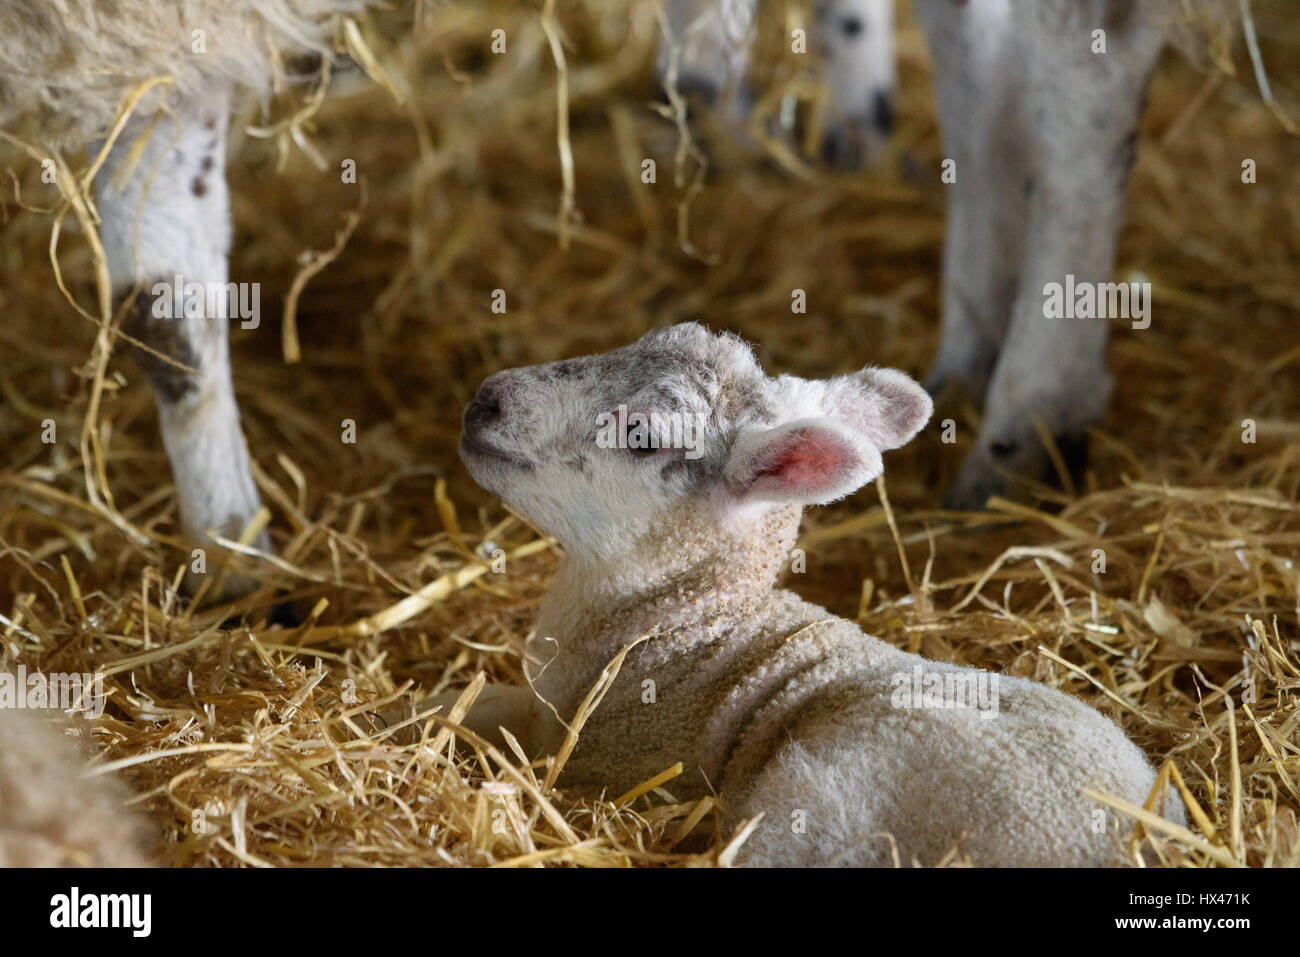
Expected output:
(485, 407)
(882, 112)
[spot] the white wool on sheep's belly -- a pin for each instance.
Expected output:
(71, 63)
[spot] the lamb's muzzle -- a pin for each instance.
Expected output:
(848, 746)
(487, 409)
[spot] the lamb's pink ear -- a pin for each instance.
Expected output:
(886, 405)
(811, 461)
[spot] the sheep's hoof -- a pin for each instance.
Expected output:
(1003, 468)
(285, 614)
(282, 614)
(966, 374)
(976, 483)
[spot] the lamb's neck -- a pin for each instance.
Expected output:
(684, 587)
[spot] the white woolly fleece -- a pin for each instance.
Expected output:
(50, 815)
(789, 711)
(69, 63)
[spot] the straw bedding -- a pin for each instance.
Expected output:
(248, 743)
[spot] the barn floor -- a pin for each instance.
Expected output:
(256, 744)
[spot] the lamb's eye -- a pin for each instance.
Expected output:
(639, 440)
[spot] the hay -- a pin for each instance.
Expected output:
(254, 744)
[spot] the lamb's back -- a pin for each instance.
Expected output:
(846, 772)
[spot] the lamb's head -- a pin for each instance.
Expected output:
(609, 451)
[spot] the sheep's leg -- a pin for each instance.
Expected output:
(980, 85)
(1082, 114)
(166, 221)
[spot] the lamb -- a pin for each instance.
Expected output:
(783, 708)
(50, 815)
(69, 65)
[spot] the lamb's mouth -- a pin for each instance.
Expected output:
(473, 448)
